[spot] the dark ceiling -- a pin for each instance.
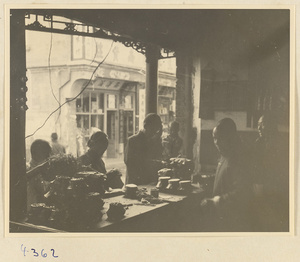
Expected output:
(188, 28)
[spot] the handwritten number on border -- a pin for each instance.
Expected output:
(23, 250)
(35, 253)
(43, 254)
(53, 253)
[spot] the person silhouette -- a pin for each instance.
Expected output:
(57, 148)
(143, 153)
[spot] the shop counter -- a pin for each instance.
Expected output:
(177, 213)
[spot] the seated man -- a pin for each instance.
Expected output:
(97, 144)
(230, 203)
(36, 186)
(143, 153)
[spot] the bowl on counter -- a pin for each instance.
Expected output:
(163, 182)
(173, 184)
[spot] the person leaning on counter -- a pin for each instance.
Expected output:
(232, 186)
(143, 153)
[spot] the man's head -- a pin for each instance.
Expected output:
(174, 129)
(54, 137)
(225, 136)
(98, 142)
(152, 125)
(40, 150)
(267, 125)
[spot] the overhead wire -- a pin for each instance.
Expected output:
(72, 99)
(49, 69)
(50, 75)
(95, 51)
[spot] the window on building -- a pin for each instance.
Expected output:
(90, 112)
(128, 102)
(166, 106)
(111, 101)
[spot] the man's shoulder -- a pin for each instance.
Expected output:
(61, 146)
(56, 145)
(138, 136)
(84, 159)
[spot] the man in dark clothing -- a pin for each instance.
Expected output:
(97, 144)
(144, 152)
(230, 204)
(271, 179)
(36, 184)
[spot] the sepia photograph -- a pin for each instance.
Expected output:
(149, 120)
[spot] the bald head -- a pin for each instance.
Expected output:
(98, 142)
(152, 125)
(226, 127)
(225, 136)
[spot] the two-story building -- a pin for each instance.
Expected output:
(60, 66)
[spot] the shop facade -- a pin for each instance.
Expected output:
(110, 97)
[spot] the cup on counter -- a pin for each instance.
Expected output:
(154, 192)
(163, 182)
(173, 184)
(185, 185)
(130, 190)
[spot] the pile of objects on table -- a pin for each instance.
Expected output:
(176, 176)
(74, 198)
(141, 194)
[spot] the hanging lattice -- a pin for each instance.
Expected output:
(49, 23)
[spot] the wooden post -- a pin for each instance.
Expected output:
(184, 101)
(152, 54)
(17, 115)
(189, 137)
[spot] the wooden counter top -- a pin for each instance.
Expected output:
(138, 217)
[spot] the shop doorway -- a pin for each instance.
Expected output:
(128, 126)
(112, 131)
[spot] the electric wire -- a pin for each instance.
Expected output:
(49, 69)
(72, 99)
(50, 75)
(96, 51)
